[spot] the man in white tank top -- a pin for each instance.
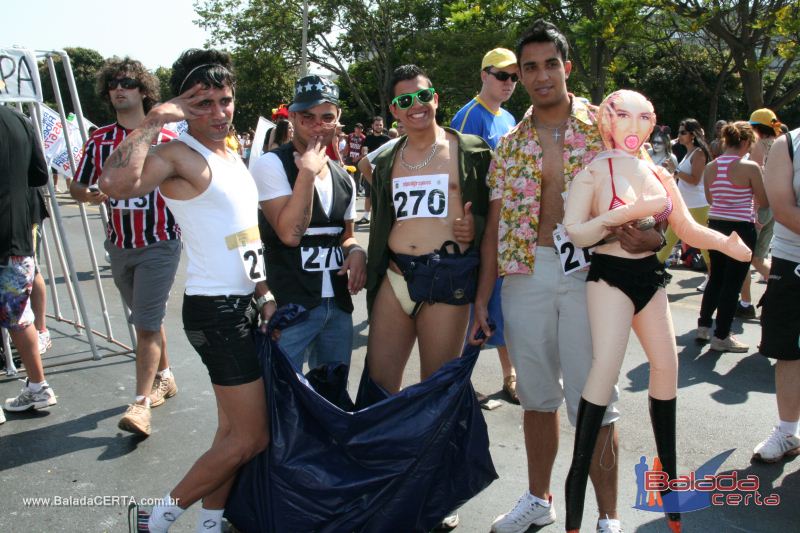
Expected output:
(780, 314)
(210, 192)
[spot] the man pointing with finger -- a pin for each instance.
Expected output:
(313, 257)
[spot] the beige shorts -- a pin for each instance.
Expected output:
(548, 336)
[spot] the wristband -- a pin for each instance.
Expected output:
(263, 300)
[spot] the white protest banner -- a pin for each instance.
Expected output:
(19, 76)
(258, 139)
(55, 147)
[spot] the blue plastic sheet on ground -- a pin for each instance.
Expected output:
(400, 465)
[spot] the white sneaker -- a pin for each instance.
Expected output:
(609, 525)
(45, 343)
(703, 334)
(728, 344)
(526, 512)
(776, 446)
(2, 416)
(27, 399)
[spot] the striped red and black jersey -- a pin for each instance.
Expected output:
(136, 222)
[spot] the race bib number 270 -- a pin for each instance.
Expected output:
(420, 196)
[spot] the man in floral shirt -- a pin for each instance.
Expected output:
(546, 322)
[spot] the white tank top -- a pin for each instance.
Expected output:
(786, 244)
(220, 228)
(693, 195)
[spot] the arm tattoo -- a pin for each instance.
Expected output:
(300, 229)
(121, 157)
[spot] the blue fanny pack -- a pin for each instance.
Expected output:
(445, 276)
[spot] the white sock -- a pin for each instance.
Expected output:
(140, 398)
(36, 387)
(164, 515)
(789, 428)
(536, 499)
(744, 303)
(164, 374)
(210, 520)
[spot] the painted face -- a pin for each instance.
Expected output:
(626, 120)
(317, 121)
(216, 125)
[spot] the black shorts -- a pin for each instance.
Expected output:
(220, 328)
(639, 279)
(780, 312)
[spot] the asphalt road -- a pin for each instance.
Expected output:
(726, 402)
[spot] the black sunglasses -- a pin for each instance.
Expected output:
(503, 76)
(125, 83)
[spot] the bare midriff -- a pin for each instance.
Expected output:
(423, 235)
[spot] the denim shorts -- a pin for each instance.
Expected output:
(220, 328)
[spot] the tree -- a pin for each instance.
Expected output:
(372, 32)
(762, 37)
(85, 64)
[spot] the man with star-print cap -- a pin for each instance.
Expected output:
(313, 257)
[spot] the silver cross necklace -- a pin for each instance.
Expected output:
(555, 129)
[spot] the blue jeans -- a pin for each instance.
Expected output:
(325, 337)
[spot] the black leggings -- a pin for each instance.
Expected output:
(725, 278)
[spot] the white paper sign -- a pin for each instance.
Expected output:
(259, 137)
(420, 196)
(19, 76)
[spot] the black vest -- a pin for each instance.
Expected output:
(287, 279)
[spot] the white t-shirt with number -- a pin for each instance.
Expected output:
(272, 182)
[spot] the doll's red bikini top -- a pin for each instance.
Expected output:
(616, 201)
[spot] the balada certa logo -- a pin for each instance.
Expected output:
(697, 490)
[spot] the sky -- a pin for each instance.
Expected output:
(153, 31)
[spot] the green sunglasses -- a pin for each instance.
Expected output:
(404, 101)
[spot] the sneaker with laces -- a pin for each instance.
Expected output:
(27, 399)
(703, 334)
(162, 389)
(137, 519)
(136, 419)
(777, 446)
(609, 525)
(45, 343)
(745, 311)
(526, 512)
(729, 344)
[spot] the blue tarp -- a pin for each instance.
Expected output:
(399, 465)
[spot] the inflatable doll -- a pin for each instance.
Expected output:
(624, 290)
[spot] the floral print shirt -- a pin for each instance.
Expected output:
(515, 178)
